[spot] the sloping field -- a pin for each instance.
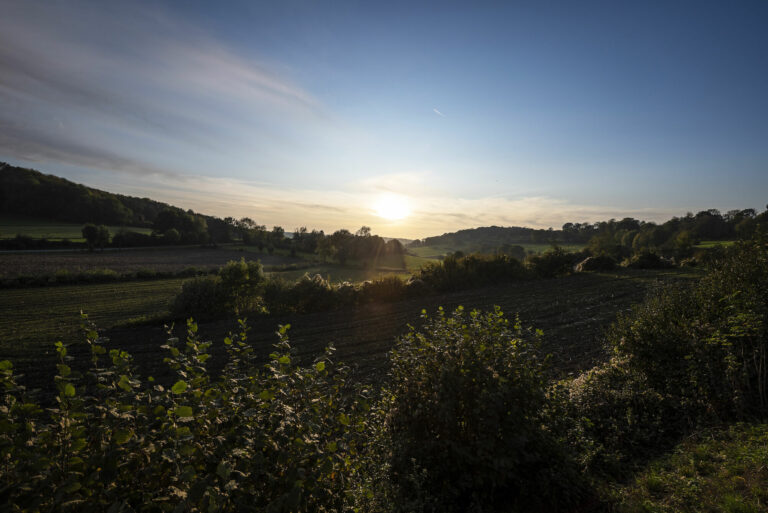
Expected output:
(31, 320)
(572, 311)
(10, 226)
(130, 260)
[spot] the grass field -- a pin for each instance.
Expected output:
(31, 320)
(10, 226)
(433, 252)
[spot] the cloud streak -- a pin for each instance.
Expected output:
(438, 113)
(119, 83)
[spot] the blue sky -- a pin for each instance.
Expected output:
(471, 114)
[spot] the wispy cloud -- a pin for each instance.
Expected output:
(438, 113)
(92, 83)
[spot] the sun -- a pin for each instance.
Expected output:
(392, 207)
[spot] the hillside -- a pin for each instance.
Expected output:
(27, 192)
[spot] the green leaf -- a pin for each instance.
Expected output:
(124, 383)
(344, 419)
(223, 470)
(69, 390)
(6, 365)
(72, 487)
(285, 360)
(183, 432)
(320, 366)
(179, 387)
(266, 395)
(183, 411)
(77, 444)
(121, 436)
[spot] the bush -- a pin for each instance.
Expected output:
(242, 284)
(551, 263)
(128, 239)
(202, 297)
(279, 438)
(277, 295)
(312, 294)
(465, 272)
(647, 260)
(596, 263)
(468, 420)
(618, 418)
(384, 289)
(687, 356)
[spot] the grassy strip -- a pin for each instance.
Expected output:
(722, 470)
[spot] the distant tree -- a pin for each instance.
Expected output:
(325, 248)
(95, 236)
(172, 236)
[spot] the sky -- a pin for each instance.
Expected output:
(412, 118)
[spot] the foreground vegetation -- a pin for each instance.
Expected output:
(490, 430)
(714, 470)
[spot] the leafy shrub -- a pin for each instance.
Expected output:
(551, 263)
(464, 272)
(647, 260)
(687, 356)
(617, 418)
(277, 295)
(415, 287)
(127, 239)
(468, 420)
(347, 293)
(596, 263)
(202, 297)
(312, 294)
(386, 288)
(279, 438)
(242, 283)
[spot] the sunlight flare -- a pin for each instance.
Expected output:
(392, 207)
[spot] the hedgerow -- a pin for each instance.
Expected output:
(688, 356)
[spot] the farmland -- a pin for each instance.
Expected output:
(131, 260)
(10, 226)
(33, 319)
(572, 311)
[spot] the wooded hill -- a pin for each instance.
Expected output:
(616, 238)
(31, 193)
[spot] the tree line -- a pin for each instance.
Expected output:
(617, 238)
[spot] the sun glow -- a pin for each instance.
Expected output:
(392, 207)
